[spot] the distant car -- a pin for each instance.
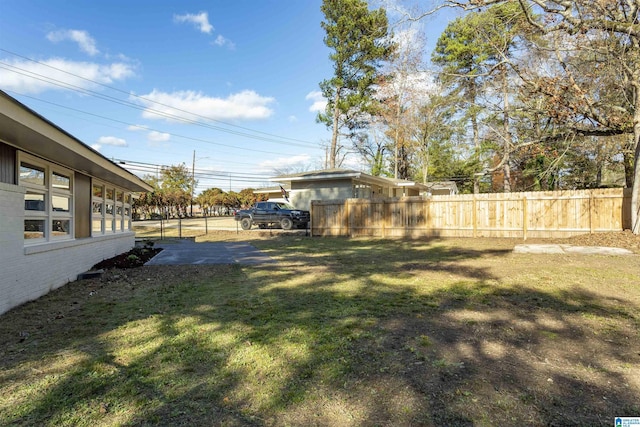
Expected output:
(266, 214)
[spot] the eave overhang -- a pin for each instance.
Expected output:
(28, 131)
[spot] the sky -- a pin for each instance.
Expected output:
(234, 84)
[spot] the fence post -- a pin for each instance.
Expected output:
(348, 209)
(385, 216)
(591, 211)
(180, 228)
(474, 217)
(206, 226)
(524, 218)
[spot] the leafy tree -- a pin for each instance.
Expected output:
(247, 197)
(175, 186)
(371, 146)
(407, 87)
(474, 53)
(210, 198)
(609, 33)
(151, 202)
(435, 130)
(462, 60)
(359, 41)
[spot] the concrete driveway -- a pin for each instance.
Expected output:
(569, 249)
(186, 251)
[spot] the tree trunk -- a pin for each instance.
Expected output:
(627, 155)
(635, 192)
(333, 152)
(476, 134)
(506, 169)
(397, 131)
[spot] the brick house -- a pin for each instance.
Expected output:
(63, 206)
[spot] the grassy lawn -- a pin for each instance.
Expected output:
(338, 332)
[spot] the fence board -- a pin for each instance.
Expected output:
(545, 214)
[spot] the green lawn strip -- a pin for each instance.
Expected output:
(359, 331)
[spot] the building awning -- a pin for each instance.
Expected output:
(28, 131)
(337, 174)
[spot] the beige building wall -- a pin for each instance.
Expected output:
(302, 193)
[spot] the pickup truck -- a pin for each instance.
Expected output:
(266, 214)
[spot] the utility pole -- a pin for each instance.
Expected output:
(193, 179)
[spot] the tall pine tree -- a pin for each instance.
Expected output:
(358, 39)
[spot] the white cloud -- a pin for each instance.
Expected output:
(245, 105)
(112, 140)
(96, 147)
(200, 20)
(33, 77)
(86, 43)
(155, 136)
(298, 162)
(319, 101)
(223, 41)
(292, 119)
(137, 128)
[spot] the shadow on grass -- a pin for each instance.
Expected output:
(338, 333)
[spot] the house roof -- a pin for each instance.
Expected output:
(443, 185)
(276, 189)
(332, 174)
(28, 131)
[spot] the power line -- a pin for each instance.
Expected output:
(159, 167)
(148, 128)
(278, 138)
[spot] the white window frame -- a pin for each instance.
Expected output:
(47, 189)
(118, 220)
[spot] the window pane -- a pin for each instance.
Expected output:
(34, 228)
(119, 196)
(109, 210)
(108, 225)
(61, 181)
(34, 202)
(97, 191)
(119, 210)
(110, 193)
(96, 226)
(61, 204)
(127, 211)
(127, 199)
(60, 227)
(30, 174)
(97, 208)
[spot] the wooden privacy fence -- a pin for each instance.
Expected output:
(544, 214)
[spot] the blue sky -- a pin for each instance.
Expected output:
(152, 82)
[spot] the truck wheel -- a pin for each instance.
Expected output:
(286, 223)
(245, 223)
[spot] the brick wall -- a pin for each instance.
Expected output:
(28, 272)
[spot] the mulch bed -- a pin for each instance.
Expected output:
(136, 257)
